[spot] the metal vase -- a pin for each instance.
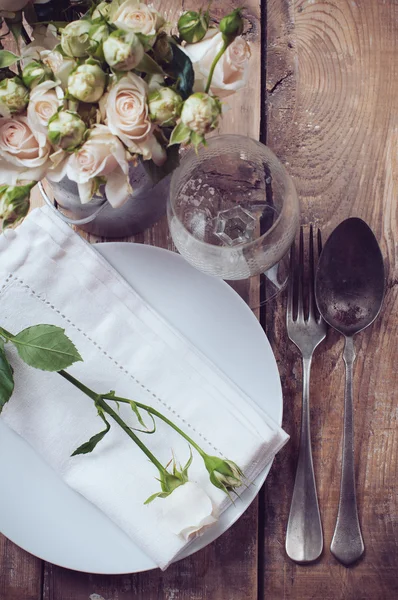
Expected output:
(145, 206)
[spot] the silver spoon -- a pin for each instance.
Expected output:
(349, 290)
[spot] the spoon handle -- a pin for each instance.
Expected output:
(347, 543)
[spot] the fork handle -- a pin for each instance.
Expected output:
(347, 543)
(304, 538)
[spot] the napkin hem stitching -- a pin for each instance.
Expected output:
(121, 367)
(6, 282)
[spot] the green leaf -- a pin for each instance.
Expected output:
(185, 469)
(140, 420)
(181, 70)
(148, 65)
(46, 347)
(197, 140)
(16, 29)
(157, 495)
(89, 446)
(7, 58)
(180, 134)
(6, 378)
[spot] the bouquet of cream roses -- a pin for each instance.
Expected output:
(97, 94)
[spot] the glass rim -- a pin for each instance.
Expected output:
(190, 152)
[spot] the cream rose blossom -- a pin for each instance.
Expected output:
(188, 511)
(42, 48)
(231, 72)
(24, 153)
(136, 16)
(127, 116)
(103, 155)
(45, 99)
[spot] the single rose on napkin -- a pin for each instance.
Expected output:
(47, 348)
(49, 274)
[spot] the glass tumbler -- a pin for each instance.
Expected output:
(233, 211)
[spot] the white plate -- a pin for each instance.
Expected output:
(40, 513)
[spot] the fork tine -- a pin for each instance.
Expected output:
(311, 290)
(300, 303)
(319, 242)
(290, 294)
(319, 239)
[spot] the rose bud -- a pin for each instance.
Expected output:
(14, 203)
(164, 106)
(35, 73)
(87, 82)
(75, 40)
(14, 96)
(101, 11)
(98, 34)
(224, 474)
(66, 130)
(200, 113)
(232, 25)
(123, 50)
(192, 26)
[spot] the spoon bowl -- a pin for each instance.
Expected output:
(350, 278)
(349, 291)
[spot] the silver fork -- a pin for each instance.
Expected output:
(306, 328)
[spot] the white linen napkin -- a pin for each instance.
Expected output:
(49, 274)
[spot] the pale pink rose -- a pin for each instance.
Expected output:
(188, 511)
(24, 153)
(136, 16)
(231, 72)
(127, 116)
(103, 155)
(44, 101)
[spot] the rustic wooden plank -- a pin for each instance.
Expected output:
(227, 569)
(332, 89)
(20, 573)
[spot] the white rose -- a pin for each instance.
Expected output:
(24, 153)
(45, 99)
(103, 155)
(137, 17)
(45, 36)
(127, 116)
(60, 65)
(231, 72)
(187, 511)
(44, 39)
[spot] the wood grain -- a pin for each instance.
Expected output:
(332, 108)
(20, 573)
(330, 112)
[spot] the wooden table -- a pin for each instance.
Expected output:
(323, 94)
